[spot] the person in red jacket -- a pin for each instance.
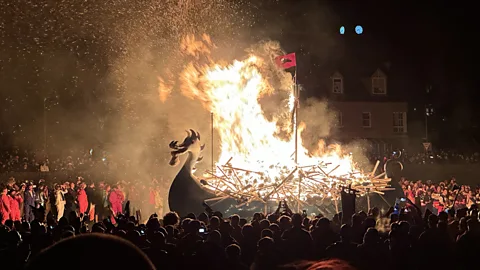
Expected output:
(4, 206)
(82, 199)
(15, 201)
(116, 199)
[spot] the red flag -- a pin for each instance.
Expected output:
(286, 61)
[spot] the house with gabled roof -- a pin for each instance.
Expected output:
(369, 105)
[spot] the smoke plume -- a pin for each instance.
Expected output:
(115, 55)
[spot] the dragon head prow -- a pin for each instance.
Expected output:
(191, 144)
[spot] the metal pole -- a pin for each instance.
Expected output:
(426, 123)
(295, 120)
(426, 132)
(212, 131)
(295, 116)
(45, 126)
(299, 191)
(368, 201)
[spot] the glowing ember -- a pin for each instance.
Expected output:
(256, 163)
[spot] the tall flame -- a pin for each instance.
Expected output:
(249, 140)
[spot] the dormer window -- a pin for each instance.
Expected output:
(379, 83)
(337, 83)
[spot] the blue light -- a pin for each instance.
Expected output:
(358, 29)
(342, 30)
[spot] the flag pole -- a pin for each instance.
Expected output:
(293, 63)
(297, 101)
(295, 116)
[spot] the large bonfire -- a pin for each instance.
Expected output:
(257, 161)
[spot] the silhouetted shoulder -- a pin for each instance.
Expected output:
(94, 251)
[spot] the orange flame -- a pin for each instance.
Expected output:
(248, 140)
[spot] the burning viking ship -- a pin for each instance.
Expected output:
(255, 164)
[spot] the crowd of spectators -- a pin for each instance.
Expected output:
(422, 158)
(437, 228)
(280, 240)
(438, 196)
(70, 161)
(441, 157)
(15, 160)
(42, 200)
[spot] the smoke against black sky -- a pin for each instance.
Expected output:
(152, 37)
(97, 64)
(75, 54)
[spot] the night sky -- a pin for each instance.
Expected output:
(66, 51)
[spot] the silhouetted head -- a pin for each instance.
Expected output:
(153, 224)
(274, 228)
(346, 232)
(191, 216)
(297, 220)
(371, 237)
(333, 264)
(108, 252)
(233, 252)
(323, 223)
(432, 221)
(370, 223)
(248, 231)
(171, 218)
(214, 223)
(9, 223)
(443, 216)
(264, 224)
(266, 233)
(203, 218)
(194, 226)
(214, 237)
(285, 222)
(265, 244)
(184, 224)
(235, 220)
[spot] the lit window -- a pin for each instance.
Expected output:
(429, 111)
(337, 87)
(399, 122)
(379, 85)
(366, 120)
